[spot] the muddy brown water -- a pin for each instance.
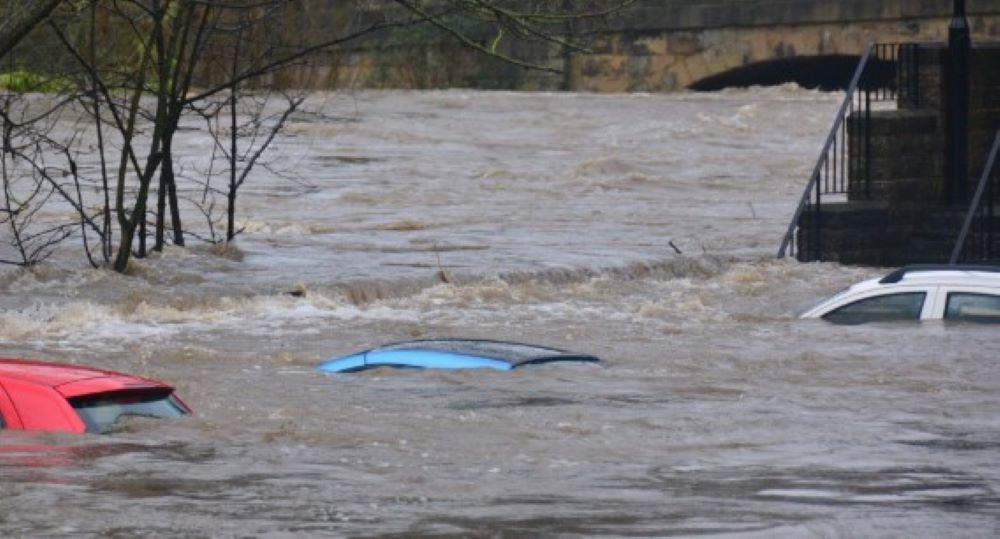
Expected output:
(715, 412)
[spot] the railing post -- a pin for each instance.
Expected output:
(817, 226)
(991, 232)
(852, 148)
(957, 73)
(868, 144)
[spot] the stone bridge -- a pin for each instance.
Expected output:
(670, 45)
(665, 45)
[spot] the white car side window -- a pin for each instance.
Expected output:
(884, 308)
(972, 307)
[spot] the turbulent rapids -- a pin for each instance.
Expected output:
(638, 228)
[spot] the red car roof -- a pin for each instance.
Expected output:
(72, 380)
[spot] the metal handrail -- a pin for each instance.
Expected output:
(976, 200)
(838, 124)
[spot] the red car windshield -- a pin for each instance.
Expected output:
(101, 412)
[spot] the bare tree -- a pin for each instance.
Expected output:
(143, 66)
(242, 126)
(38, 171)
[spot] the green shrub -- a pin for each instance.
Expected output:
(21, 80)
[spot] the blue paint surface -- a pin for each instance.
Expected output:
(344, 364)
(417, 359)
(451, 354)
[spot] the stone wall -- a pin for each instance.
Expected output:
(660, 45)
(918, 133)
(901, 217)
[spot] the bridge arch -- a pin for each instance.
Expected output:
(714, 59)
(658, 60)
(825, 72)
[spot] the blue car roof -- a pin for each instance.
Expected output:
(452, 354)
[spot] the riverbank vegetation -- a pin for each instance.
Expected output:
(94, 94)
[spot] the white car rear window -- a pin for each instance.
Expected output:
(984, 308)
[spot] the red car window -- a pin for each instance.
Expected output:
(101, 412)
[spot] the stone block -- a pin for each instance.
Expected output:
(892, 161)
(909, 190)
(603, 65)
(661, 63)
(672, 80)
(683, 43)
(651, 45)
(637, 68)
(603, 44)
(886, 123)
(844, 215)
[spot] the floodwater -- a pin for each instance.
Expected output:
(545, 218)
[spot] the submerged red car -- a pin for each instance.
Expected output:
(52, 397)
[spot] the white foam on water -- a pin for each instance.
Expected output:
(548, 218)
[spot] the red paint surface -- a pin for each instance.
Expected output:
(33, 394)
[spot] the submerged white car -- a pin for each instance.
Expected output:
(922, 292)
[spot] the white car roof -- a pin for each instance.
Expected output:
(917, 276)
(932, 278)
(944, 274)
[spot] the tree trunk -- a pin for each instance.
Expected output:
(161, 197)
(175, 211)
(231, 199)
(167, 195)
(128, 231)
(141, 251)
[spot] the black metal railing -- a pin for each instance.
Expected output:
(887, 72)
(977, 242)
(907, 75)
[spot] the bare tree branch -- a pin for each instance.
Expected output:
(20, 19)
